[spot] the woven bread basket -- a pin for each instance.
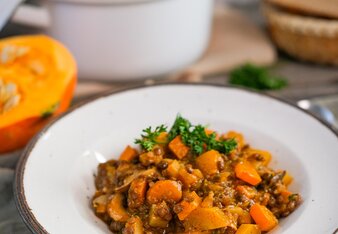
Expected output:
(307, 38)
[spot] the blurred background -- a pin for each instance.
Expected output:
(288, 49)
(242, 31)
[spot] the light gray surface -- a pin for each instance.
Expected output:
(10, 221)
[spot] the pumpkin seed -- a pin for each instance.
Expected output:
(10, 90)
(9, 96)
(5, 54)
(11, 102)
(2, 91)
(21, 51)
(10, 52)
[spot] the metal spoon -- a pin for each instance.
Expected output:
(318, 110)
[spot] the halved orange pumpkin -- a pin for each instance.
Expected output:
(37, 82)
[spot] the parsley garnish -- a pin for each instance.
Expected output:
(148, 140)
(193, 136)
(196, 138)
(255, 77)
(180, 126)
(223, 146)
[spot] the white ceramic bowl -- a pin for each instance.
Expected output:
(54, 178)
(128, 39)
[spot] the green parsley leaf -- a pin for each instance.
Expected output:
(255, 77)
(293, 197)
(196, 138)
(226, 146)
(180, 126)
(148, 140)
(193, 136)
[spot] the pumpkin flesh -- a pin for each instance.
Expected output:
(45, 77)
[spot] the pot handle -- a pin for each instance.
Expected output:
(35, 16)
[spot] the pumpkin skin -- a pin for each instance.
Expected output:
(45, 77)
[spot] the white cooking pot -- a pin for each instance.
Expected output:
(127, 39)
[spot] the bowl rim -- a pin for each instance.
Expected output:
(18, 186)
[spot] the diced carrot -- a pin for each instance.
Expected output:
(128, 154)
(178, 147)
(248, 229)
(208, 201)
(238, 138)
(263, 217)
(186, 210)
(193, 201)
(137, 192)
(247, 191)
(173, 168)
(246, 172)
(164, 190)
(287, 179)
(208, 162)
